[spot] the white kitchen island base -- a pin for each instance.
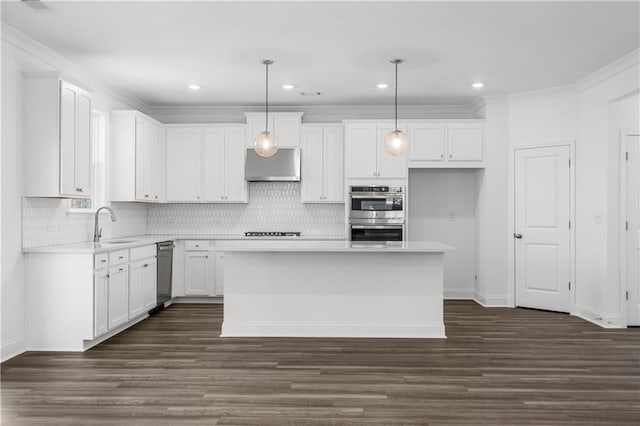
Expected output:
(347, 293)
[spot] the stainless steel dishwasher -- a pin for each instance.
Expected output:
(165, 262)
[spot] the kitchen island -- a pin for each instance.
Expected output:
(333, 289)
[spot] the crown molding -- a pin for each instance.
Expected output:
(55, 62)
(609, 71)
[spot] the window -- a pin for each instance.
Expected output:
(88, 205)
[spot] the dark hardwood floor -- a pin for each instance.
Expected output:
(499, 366)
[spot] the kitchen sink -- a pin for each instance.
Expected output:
(118, 242)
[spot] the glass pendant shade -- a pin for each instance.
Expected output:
(395, 142)
(266, 144)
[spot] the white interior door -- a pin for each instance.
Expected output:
(542, 228)
(633, 230)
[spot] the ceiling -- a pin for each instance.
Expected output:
(153, 50)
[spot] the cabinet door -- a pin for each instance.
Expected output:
(213, 164)
(361, 151)
(149, 284)
(197, 275)
(219, 287)
(118, 296)
(67, 139)
(100, 325)
(333, 165)
(390, 166)
(465, 142)
(184, 164)
(312, 165)
(235, 184)
(159, 165)
(136, 282)
(144, 158)
(427, 142)
(83, 144)
(287, 131)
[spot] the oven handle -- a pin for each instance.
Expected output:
(376, 196)
(377, 226)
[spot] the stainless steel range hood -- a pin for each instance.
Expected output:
(283, 166)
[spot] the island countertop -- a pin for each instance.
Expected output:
(334, 246)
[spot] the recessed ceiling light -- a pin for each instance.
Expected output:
(382, 85)
(287, 86)
(477, 85)
(194, 87)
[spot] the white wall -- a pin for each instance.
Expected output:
(442, 207)
(492, 209)
(585, 112)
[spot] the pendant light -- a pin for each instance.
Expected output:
(266, 144)
(395, 142)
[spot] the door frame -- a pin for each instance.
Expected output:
(624, 285)
(511, 247)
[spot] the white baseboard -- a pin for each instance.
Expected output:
(458, 294)
(593, 316)
(11, 349)
(188, 299)
(492, 301)
(260, 329)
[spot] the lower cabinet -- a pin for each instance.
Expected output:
(101, 295)
(199, 273)
(118, 296)
(142, 286)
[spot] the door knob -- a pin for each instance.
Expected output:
(518, 236)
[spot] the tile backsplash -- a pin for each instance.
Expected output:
(47, 221)
(273, 206)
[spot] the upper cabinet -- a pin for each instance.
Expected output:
(138, 157)
(455, 144)
(206, 164)
(322, 163)
(57, 136)
(365, 154)
(284, 125)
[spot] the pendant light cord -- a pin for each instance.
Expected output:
(396, 62)
(266, 95)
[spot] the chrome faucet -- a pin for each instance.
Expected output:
(97, 233)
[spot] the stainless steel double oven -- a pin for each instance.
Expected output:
(376, 213)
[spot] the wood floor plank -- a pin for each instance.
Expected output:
(497, 366)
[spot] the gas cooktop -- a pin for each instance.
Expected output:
(271, 234)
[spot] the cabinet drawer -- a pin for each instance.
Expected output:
(118, 257)
(199, 245)
(142, 252)
(100, 260)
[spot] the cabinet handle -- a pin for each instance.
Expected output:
(442, 156)
(146, 195)
(198, 197)
(120, 269)
(103, 261)
(78, 189)
(145, 265)
(107, 276)
(156, 197)
(120, 257)
(206, 257)
(450, 155)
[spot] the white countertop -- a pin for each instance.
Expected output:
(251, 244)
(143, 240)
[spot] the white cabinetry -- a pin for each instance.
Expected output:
(142, 286)
(57, 136)
(445, 144)
(322, 164)
(138, 157)
(118, 296)
(224, 156)
(199, 277)
(284, 125)
(101, 295)
(206, 164)
(365, 153)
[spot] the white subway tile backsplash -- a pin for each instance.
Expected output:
(273, 206)
(47, 221)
